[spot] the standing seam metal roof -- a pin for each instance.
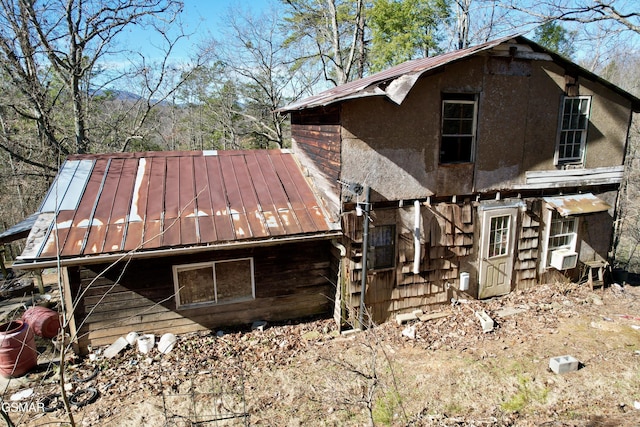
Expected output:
(112, 203)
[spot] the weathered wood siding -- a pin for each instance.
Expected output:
(446, 237)
(291, 281)
(528, 246)
(316, 137)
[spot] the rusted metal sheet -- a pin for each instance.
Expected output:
(395, 82)
(577, 204)
(143, 201)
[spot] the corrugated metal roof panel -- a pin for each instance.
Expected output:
(150, 201)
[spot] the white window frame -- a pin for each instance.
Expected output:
(503, 233)
(472, 135)
(554, 216)
(212, 265)
(571, 130)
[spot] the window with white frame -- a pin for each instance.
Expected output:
(573, 129)
(563, 232)
(214, 282)
(458, 128)
(382, 246)
(499, 236)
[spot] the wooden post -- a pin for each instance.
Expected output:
(365, 249)
(2, 266)
(38, 277)
(68, 312)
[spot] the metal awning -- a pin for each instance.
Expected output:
(577, 204)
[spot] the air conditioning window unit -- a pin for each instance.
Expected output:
(563, 259)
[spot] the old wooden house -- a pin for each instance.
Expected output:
(162, 242)
(481, 170)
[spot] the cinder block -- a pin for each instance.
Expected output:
(563, 364)
(485, 321)
(418, 313)
(406, 317)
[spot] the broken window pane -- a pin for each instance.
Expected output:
(382, 246)
(196, 285)
(233, 280)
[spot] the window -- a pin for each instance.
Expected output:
(573, 129)
(458, 128)
(214, 282)
(562, 234)
(499, 236)
(382, 246)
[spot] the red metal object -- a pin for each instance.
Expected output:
(160, 200)
(18, 353)
(44, 321)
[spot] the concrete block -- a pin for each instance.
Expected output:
(405, 317)
(433, 316)
(485, 321)
(563, 364)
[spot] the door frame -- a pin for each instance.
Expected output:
(486, 211)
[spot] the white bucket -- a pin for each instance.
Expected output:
(146, 343)
(166, 343)
(131, 338)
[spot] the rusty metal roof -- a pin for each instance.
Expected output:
(116, 203)
(577, 204)
(396, 82)
(393, 82)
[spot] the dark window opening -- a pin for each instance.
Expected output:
(458, 128)
(382, 247)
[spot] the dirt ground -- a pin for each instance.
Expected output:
(442, 371)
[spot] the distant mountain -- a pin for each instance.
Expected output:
(123, 95)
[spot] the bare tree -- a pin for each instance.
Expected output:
(337, 30)
(50, 49)
(260, 74)
(622, 12)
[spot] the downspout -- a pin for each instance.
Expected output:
(416, 237)
(365, 250)
(340, 247)
(338, 305)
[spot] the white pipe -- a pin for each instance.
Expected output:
(416, 238)
(340, 247)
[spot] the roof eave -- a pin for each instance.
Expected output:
(34, 264)
(372, 88)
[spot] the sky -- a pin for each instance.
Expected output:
(202, 20)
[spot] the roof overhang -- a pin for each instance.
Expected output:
(19, 231)
(32, 264)
(577, 204)
(396, 82)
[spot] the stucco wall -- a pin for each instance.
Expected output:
(395, 148)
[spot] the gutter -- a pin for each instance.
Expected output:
(99, 259)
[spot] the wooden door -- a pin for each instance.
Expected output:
(497, 251)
